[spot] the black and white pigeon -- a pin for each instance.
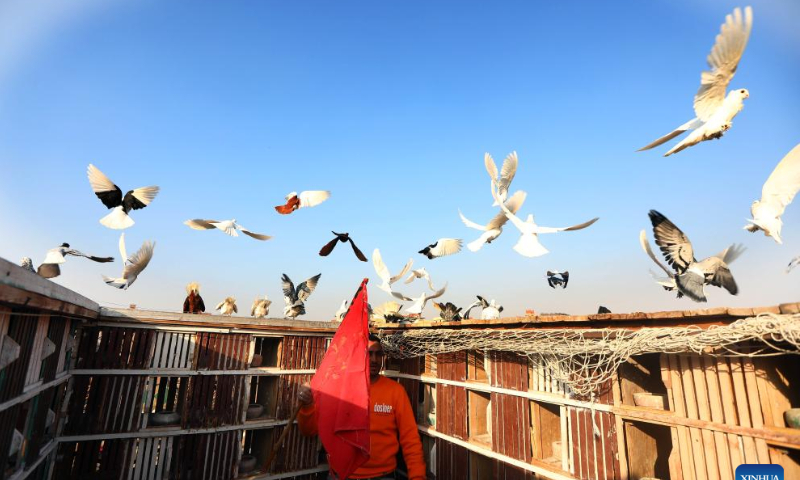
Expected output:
(230, 227)
(133, 265)
(557, 279)
(27, 264)
(111, 196)
(295, 298)
(442, 247)
(56, 256)
(491, 310)
(691, 275)
(448, 312)
(341, 237)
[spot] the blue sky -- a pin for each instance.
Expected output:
(228, 106)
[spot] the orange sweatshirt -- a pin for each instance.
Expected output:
(392, 425)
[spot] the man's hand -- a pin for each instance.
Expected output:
(304, 395)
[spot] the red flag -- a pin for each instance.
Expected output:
(341, 391)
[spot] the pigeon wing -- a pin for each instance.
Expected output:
(581, 226)
(380, 268)
(358, 252)
(513, 204)
(674, 244)
(646, 247)
(199, 224)
(257, 236)
(491, 168)
(446, 246)
(139, 198)
(312, 198)
(723, 60)
(139, 260)
(90, 257)
(289, 293)
(438, 293)
(405, 269)
(784, 182)
(723, 277)
(402, 297)
(122, 251)
(104, 188)
(305, 289)
(469, 223)
(508, 171)
(328, 247)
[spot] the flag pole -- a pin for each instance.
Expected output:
(282, 438)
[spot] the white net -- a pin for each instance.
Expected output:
(584, 359)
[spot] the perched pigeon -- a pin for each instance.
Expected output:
(603, 309)
(384, 274)
(442, 247)
(260, 308)
(668, 282)
(341, 237)
(228, 226)
(691, 276)
(227, 306)
(491, 310)
(715, 110)
(389, 312)
(343, 308)
(777, 193)
(503, 180)
(528, 244)
(309, 198)
(111, 196)
(194, 302)
(557, 278)
(27, 264)
(133, 265)
(295, 298)
(421, 301)
(420, 273)
(448, 312)
(55, 256)
(795, 262)
(494, 228)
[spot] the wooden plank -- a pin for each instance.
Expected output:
(715, 400)
(755, 407)
(704, 412)
(675, 465)
(622, 454)
(698, 450)
(729, 409)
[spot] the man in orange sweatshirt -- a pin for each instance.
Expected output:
(392, 424)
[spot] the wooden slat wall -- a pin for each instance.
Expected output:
(39, 406)
(204, 456)
(115, 348)
(451, 401)
(452, 461)
(55, 333)
(35, 362)
(593, 444)
(22, 327)
(214, 401)
(96, 459)
(8, 422)
(510, 414)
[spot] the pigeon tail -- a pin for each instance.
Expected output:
(117, 219)
(120, 283)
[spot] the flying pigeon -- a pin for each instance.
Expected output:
(503, 180)
(442, 247)
(295, 298)
(339, 315)
(448, 312)
(55, 256)
(111, 196)
(228, 226)
(777, 193)
(494, 228)
(691, 276)
(194, 302)
(341, 237)
(557, 278)
(309, 198)
(421, 301)
(668, 282)
(715, 110)
(27, 264)
(528, 244)
(389, 312)
(133, 265)
(227, 306)
(260, 308)
(384, 274)
(795, 262)
(420, 273)
(491, 310)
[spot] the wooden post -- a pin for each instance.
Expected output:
(282, 438)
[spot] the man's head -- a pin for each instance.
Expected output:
(375, 352)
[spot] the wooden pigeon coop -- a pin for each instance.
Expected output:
(93, 393)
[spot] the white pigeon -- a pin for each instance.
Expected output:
(490, 310)
(111, 196)
(260, 308)
(777, 193)
(56, 256)
(133, 265)
(715, 110)
(503, 180)
(795, 262)
(383, 272)
(668, 282)
(442, 247)
(691, 275)
(494, 228)
(419, 273)
(227, 306)
(343, 308)
(228, 226)
(421, 301)
(528, 244)
(388, 312)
